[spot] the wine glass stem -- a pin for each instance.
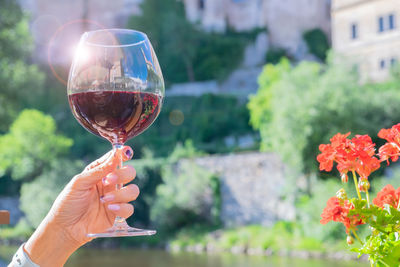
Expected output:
(119, 221)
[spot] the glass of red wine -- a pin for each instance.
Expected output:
(115, 91)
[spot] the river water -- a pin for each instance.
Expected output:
(160, 258)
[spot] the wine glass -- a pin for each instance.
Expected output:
(115, 91)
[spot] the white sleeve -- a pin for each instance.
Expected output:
(21, 259)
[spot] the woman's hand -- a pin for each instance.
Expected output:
(88, 204)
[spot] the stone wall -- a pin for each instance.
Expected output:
(252, 188)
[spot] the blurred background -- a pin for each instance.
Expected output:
(228, 172)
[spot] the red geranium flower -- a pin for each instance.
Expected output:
(388, 195)
(337, 210)
(391, 149)
(330, 151)
(357, 154)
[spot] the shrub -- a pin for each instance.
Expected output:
(317, 43)
(186, 195)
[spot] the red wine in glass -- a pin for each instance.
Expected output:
(115, 115)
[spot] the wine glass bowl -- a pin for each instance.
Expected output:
(115, 81)
(115, 90)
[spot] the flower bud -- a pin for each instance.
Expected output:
(341, 194)
(344, 177)
(350, 240)
(363, 185)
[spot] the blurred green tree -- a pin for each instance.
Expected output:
(34, 153)
(19, 81)
(31, 145)
(185, 52)
(299, 107)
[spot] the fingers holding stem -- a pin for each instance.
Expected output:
(125, 194)
(123, 210)
(119, 176)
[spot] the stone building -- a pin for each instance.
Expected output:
(367, 32)
(285, 20)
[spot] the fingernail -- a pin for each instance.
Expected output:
(107, 198)
(109, 179)
(113, 207)
(128, 153)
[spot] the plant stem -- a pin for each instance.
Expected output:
(383, 263)
(367, 194)
(356, 236)
(356, 184)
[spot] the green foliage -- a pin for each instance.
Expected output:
(38, 196)
(15, 40)
(23, 230)
(275, 54)
(30, 145)
(317, 43)
(19, 81)
(207, 121)
(185, 52)
(298, 108)
(308, 218)
(186, 196)
(148, 177)
(260, 104)
(383, 245)
(187, 150)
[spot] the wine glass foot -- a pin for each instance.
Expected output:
(122, 229)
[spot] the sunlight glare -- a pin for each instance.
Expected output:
(81, 53)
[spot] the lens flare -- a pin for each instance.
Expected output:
(54, 47)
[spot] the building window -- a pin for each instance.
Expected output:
(386, 23)
(381, 24)
(354, 31)
(382, 64)
(391, 22)
(201, 4)
(393, 62)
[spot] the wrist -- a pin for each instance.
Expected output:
(50, 245)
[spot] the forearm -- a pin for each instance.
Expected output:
(50, 245)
